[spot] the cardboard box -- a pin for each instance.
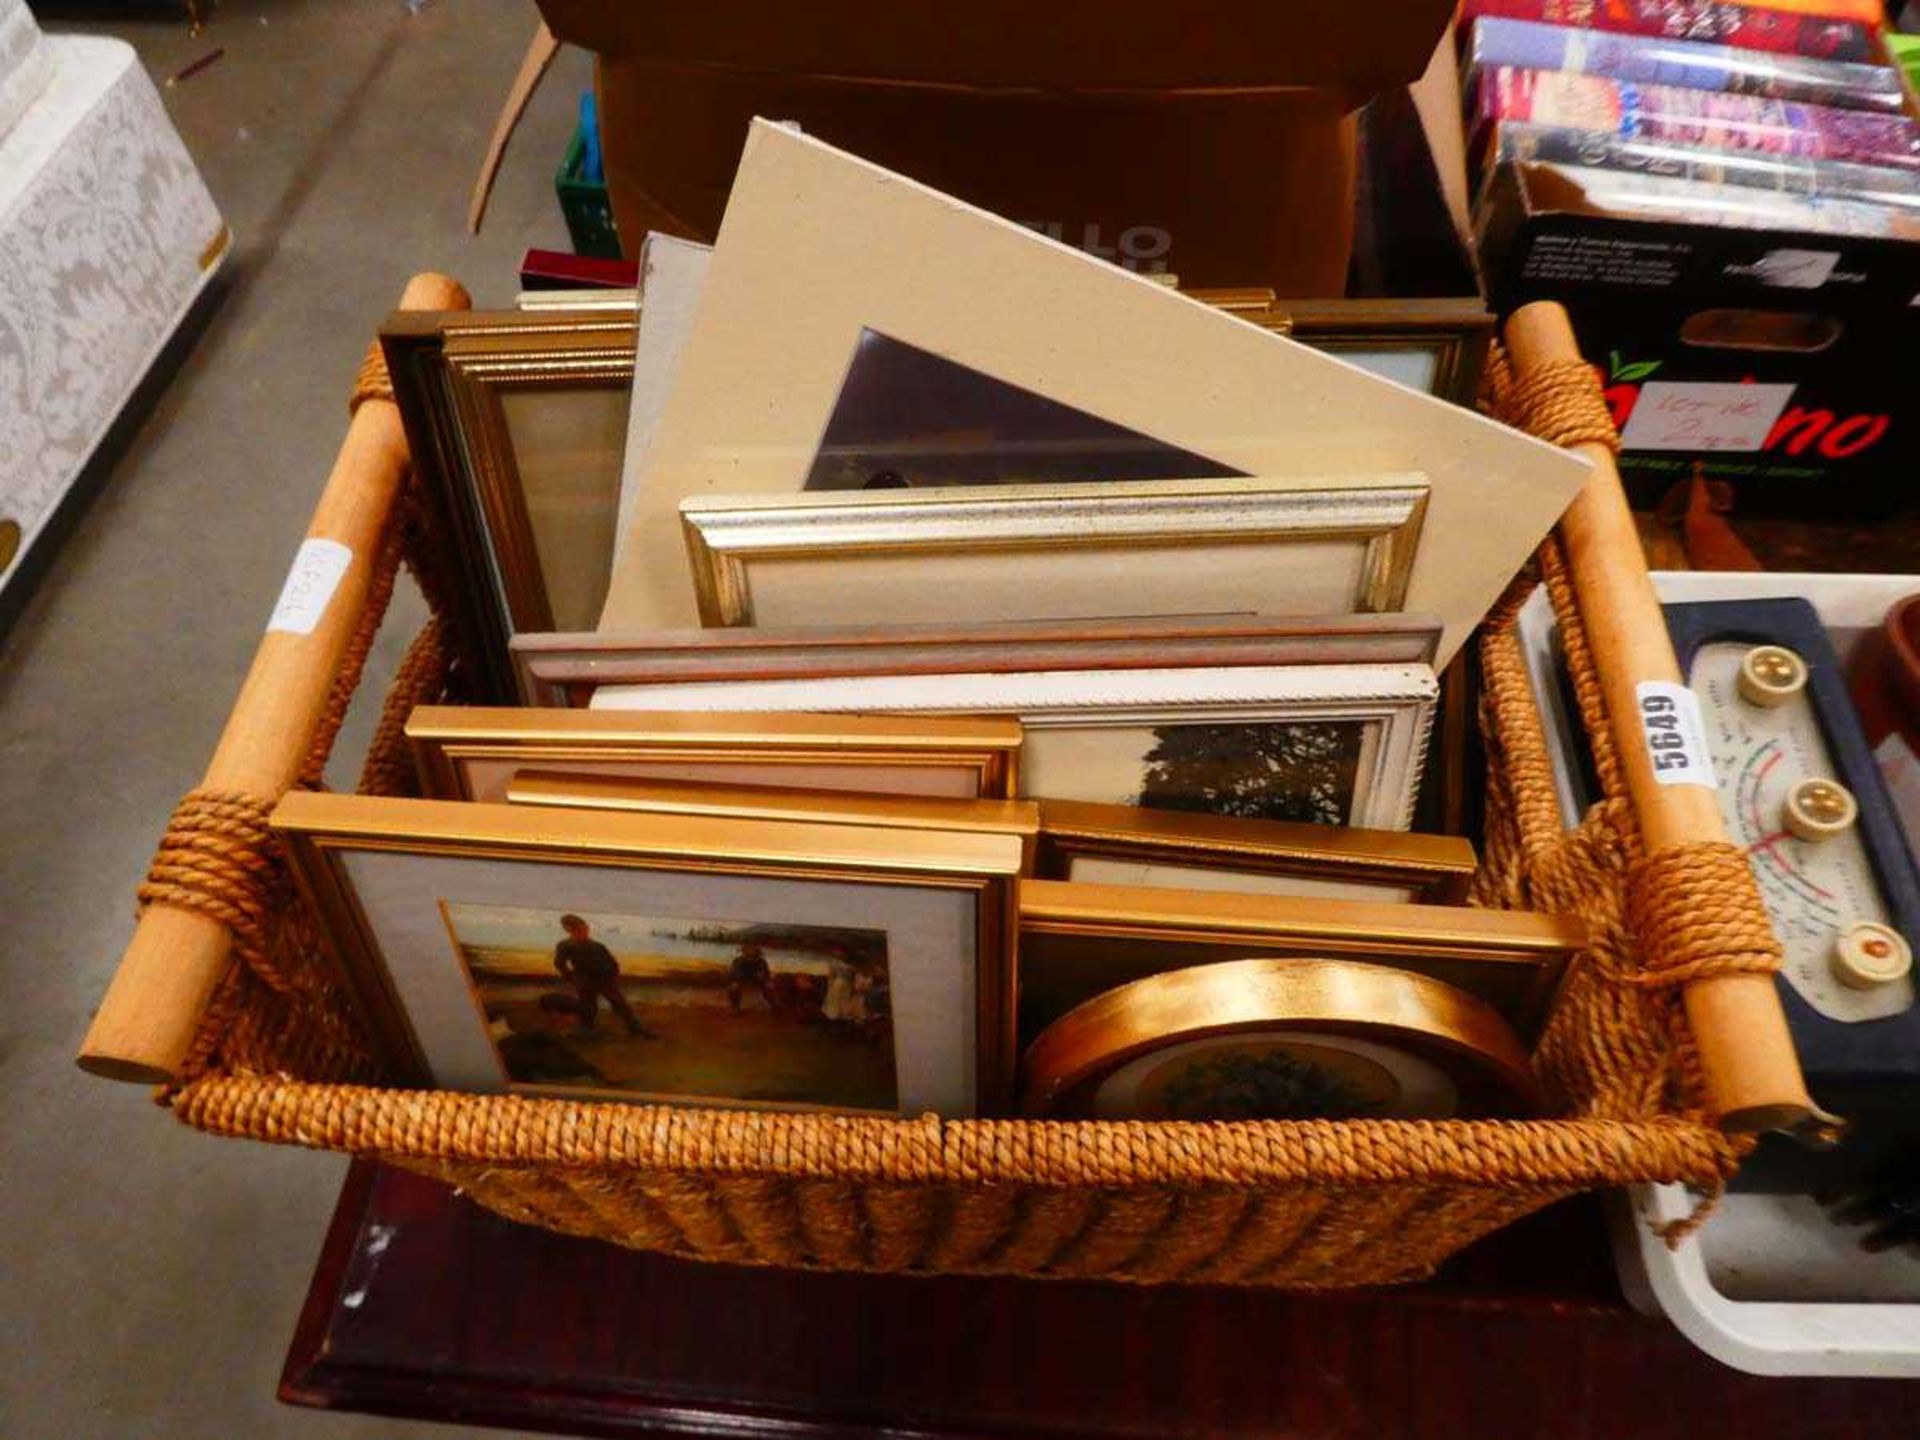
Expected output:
(1820, 331)
(1184, 140)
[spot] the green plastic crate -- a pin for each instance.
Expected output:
(1905, 50)
(584, 202)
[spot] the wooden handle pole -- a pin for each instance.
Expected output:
(1751, 1070)
(150, 1012)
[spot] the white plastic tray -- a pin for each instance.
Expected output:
(1769, 1284)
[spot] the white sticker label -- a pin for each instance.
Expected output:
(310, 585)
(1703, 415)
(1676, 738)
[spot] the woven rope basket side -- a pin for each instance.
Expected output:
(1298, 1204)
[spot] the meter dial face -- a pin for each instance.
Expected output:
(1814, 889)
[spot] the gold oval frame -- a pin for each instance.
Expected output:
(1444, 1024)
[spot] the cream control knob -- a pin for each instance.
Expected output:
(1819, 810)
(1771, 675)
(1866, 955)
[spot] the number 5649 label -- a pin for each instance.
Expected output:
(1676, 739)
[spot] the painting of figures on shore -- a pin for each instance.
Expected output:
(648, 1006)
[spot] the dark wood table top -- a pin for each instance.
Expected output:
(425, 1306)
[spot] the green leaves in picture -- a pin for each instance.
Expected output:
(1239, 1085)
(1283, 770)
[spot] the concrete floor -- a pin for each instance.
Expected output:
(153, 1275)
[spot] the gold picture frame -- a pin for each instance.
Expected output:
(1154, 1049)
(1089, 843)
(1079, 940)
(490, 378)
(385, 876)
(472, 752)
(1019, 818)
(1437, 345)
(1009, 552)
(516, 424)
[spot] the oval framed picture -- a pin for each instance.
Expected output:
(1279, 1040)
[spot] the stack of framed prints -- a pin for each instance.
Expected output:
(972, 653)
(1316, 719)
(579, 452)
(849, 912)
(515, 422)
(934, 348)
(668, 940)
(473, 753)
(563, 670)
(1337, 744)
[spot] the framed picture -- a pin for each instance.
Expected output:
(1014, 552)
(1436, 346)
(1079, 940)
(1127, 380)
(508, 949)
(516, 422)
(472, 753)
(1279, 1040)
(1331, 744)
(1019, 818)
(1126, 845)
(565, 669)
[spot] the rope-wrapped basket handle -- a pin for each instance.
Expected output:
(198, 909)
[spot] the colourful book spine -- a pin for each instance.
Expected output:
(1697, 117)
(1691, 64)
(1713, 21)
(1517, 142)
(1867, 12)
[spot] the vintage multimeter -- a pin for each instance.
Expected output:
(1801, 793)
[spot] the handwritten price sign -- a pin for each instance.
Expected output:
(1703, 415)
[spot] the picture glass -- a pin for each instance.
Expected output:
(650, 1005)
(1275, 1075)
(567, 446)
(1413, 364)
(1216, 575)
(906, 416)
(1306, 770)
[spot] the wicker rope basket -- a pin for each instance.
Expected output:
(1296, 1204)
